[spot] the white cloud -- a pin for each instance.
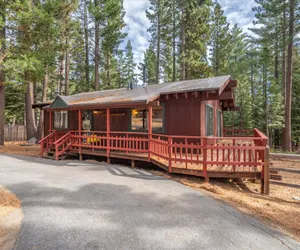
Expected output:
(236, 11)
(136, 26)
(239, 12)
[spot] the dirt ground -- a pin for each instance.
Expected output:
(10, 218)
(277, 209)
(8, 203)
(15, 148)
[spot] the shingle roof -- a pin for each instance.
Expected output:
(143, 94)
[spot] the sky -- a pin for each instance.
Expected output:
(236, 11)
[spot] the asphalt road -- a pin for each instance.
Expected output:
(83, 205)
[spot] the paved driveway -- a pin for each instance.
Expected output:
(79, 205)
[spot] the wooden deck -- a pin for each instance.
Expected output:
(190, 168)
(209, 157)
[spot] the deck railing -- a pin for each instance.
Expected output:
(46, 143)
(234, 132)
(206, 154)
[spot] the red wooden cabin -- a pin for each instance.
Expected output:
(177, 126)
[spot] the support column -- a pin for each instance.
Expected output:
(265, 188)
(108, 134)
(149, 131)
(50, 121)
(79, 133)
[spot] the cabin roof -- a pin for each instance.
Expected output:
(140, 95)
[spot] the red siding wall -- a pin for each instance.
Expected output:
(46, 123)
(183, 116)
(117, 122)
(186, 116)
(73, 119)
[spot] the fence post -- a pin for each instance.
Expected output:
(56, 152)
(204, 140)
(170, 142)
(149, 131)
(42, 149)
(266, 172)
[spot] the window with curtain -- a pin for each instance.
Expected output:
(60, 120)
(209, 120)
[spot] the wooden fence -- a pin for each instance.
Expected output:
(15, 133)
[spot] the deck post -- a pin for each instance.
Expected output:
(50, 121)
(132, 163)
(79, 133)
(170, 142)
(266, 174)
(204, 140)
(149, 131)
(108, 133)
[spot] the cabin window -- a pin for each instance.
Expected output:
(139, 119)
(158, 119)
(86, 120)
(60, 120)
(219, 114)
(209, 120)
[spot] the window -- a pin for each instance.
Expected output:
(86, 120)
(209, 120)
(60, 120)
(139, 119)
(158, 119)
(219, 117)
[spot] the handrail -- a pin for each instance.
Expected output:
(48, 142)
(46, 137)
(62, 138)
(60, 142)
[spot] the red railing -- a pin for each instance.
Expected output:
(47, 143)
(189, 152)
(203, 154)
(233, 132)
(62, 144)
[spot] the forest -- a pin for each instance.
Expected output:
(51, 47)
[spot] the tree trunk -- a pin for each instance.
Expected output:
(30, 123)
(265, 92)
(283, 63)
(61, 74)
(108, 69)
(40, 129)
(86, 39)
(2, 76)
(97, 37)
(183, 73)
(158, 43)
(174, 43)
(67, 67)
(289, 79)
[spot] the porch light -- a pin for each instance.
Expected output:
(134, 112)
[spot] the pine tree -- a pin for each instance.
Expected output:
(149, 63)
(220, 41)
(195, 37)
(2, 76)
(154, 14)
(129, 63)
(112, 36)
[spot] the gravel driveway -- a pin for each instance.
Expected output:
(83, 205)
